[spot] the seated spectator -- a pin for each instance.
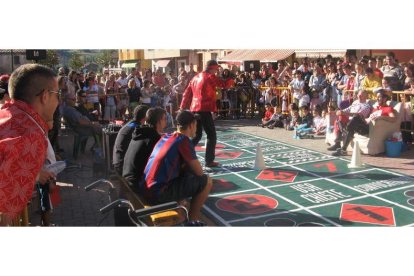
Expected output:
(173, 171)
(318, 126)
(293, 120)
(124, 137)
(277, 118)
(268, 114)
(144, 138)
(358, 108)
(360, 125)
(80, 106)
(80, 123)
(306, 121)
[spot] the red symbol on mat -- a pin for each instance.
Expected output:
(330, 165)
(367, 214)
(228, 154)
(202, 148)
(247, 204)
(221, 185)
(273, 174)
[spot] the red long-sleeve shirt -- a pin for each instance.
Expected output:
(23, 147)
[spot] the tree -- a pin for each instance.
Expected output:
(52, 59)
(75, 61)
(104, 58)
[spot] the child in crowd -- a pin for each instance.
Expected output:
(268, 114)
(315, 101)
(293, 120)
(277, 119)
(304, 99)
(285, 98)
(318, 126)
(306, 122)
(225, 104)
(330, 118)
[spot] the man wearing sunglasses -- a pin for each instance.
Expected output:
(23, 136)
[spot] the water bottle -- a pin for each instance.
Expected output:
(56, 168)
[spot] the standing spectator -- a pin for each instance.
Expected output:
(191, 73)
(134, 95)
(111, 92)
(72, 85)
(34, 92)
(393, 70)
(372, 63)
(123, 97)
(200, 97)
(297, 85)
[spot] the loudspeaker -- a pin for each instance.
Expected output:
(35, 54)
(251, 65)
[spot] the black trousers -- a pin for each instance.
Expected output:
(206, 122)
(358, 125)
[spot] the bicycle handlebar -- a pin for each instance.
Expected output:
(97, 182)
(115, 203)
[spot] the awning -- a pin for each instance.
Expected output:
(129, 65)
(262, 55)
(320, 53)
(162, 63)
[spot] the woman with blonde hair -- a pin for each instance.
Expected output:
(134, 95)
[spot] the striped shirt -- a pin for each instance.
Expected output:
(359, 108)
(166, 160)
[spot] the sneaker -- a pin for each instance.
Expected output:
(195, 223)
(270, 127)
(212, 164)
(334, 147)
(340, 152)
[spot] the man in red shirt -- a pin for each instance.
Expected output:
(200, 98)
(360, 125)
(34, 97)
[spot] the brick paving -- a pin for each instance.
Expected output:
(80, 208)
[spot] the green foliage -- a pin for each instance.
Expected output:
(52, 59)
(75, 61)
(105, 57)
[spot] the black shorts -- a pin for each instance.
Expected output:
(183, 187)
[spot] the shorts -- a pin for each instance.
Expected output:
(183, 187)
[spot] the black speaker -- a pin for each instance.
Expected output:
(251, 65)
(35, 54)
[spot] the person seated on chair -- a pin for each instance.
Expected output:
(124, 136)
(173, 171)
(80, 106)
(80, 123)
(359, 108)
(360, 125)
(144, 138)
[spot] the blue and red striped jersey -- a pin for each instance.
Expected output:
(166, 160)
